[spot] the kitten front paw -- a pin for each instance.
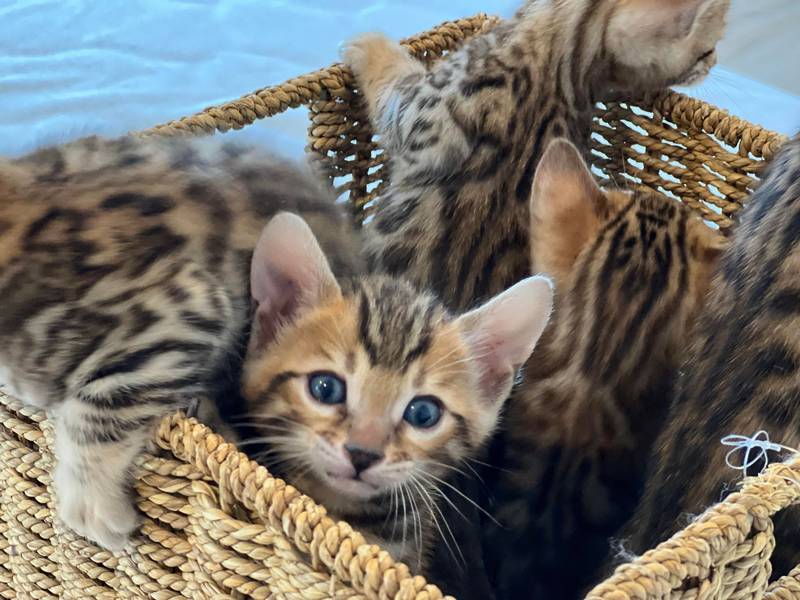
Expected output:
(371, 56)
(107, 517)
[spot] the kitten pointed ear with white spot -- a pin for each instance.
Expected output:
(289, 274)
(567, 210)
(504, 331)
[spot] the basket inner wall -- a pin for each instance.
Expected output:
(632, 145)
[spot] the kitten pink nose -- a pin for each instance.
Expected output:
(362, 458)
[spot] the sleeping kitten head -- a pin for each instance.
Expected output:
(362, 388)
(658, 43)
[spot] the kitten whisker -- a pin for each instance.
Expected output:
(412, 508)
(266, 422)
(298, 475)
(417, 523)
(469, 360)
(424, 474)
(451, 468)
(389, 515)
(264, 440)
(281, 451)
(433, 509)
(474, 472)
(443, 358)
(443, 496)
(277, 464)
(285, 451)
(403, 497)
(487, 465)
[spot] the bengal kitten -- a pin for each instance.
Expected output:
(373, 405)
(464, 138)
(742, 373)
(631, 269)
(138, 277)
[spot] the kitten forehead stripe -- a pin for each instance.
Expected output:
(395, 322)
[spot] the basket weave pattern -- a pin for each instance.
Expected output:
(218, 525)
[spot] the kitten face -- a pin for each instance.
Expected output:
(655, 44)
(365, 416)
(360, 390)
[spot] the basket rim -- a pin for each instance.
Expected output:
(721, 527)
(321, 540)
(336, 80)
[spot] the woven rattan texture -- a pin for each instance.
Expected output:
(723, 554)
(218, 526)
(671, 143)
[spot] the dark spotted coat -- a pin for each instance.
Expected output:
(464, 138)
(743, 371)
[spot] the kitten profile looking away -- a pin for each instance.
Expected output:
(632, 268)
(137, 276)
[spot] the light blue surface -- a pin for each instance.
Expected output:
(750, 100)
(74, 67)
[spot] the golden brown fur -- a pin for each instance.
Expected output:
(465, 136)
(631, 270)
(390, 345)
(124, 280)
(142, 276)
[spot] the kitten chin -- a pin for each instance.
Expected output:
(350, 488)
(339, 495)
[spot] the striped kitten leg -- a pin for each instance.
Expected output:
(114, 398)
(95, 451)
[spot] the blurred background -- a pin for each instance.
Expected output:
(74, 67)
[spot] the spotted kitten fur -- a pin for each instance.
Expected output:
(464, 138)
(743, 371)
(124, 286)
(142, 276)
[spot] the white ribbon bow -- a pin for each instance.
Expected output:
(759, 443)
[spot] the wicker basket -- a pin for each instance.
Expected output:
(219, 526)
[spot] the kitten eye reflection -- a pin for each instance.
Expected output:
(423, 412)
(327, 388)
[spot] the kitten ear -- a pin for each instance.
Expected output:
(504, 331)
(706, 247)
(674, 19)
(288, 274)
(567, 209)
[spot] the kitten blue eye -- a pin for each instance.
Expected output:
(327, 388)
(423, 412)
